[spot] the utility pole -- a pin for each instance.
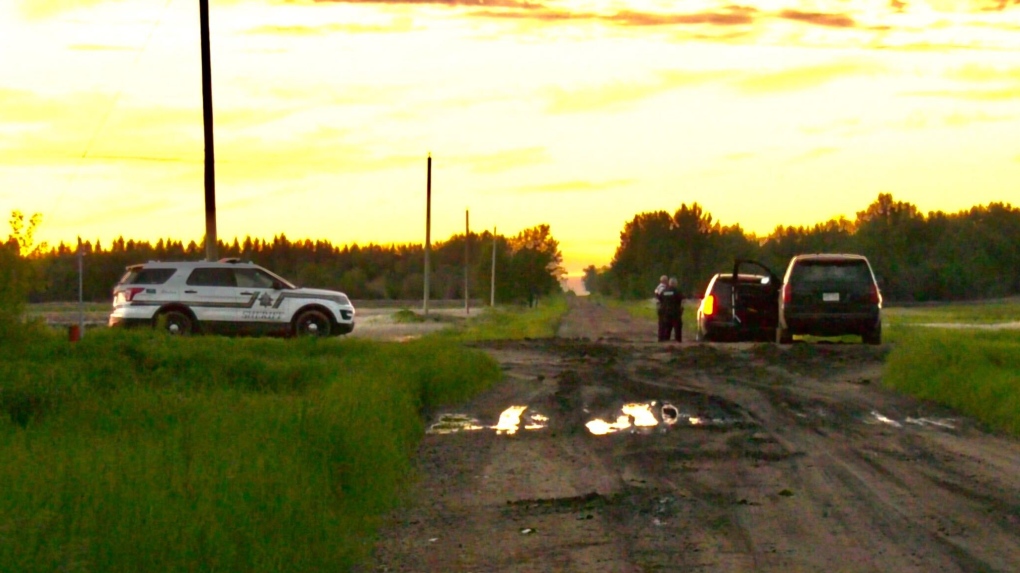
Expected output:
(207, 117)
(81, 290)
(492, 286)
(467, 263)
(428, 230)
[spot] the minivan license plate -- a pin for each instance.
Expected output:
(830, 297)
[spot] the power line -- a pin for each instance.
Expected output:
(113, 104)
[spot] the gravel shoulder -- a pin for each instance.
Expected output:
(713, 457)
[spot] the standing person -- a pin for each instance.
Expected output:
(663, 283)
(670, 311)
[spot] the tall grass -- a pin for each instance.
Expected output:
(511, 322)
(974, 371)
(131, 451)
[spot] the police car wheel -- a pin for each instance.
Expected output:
(174, 322)
(312, 323)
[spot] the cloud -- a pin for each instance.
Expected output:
(996, 84)
(101, 48)
(620, 93)
(400, 25)
(806, 77)
(740, 156)
(819, 18)
(959, 119)
(987, 95)
(68, 115)
(506, 159)
(573, 186)
(470, 3)
(983, 73)
(728, 16)
(813, 154)
(539, 13)
(732, 16)
(39, 9)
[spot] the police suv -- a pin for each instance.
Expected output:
(228, 296)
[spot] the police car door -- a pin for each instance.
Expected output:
(262, 296)
(211, 293)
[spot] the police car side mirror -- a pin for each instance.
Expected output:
(277, 285)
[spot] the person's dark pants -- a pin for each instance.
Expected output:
(667, 326)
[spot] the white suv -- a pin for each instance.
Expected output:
(228, 296)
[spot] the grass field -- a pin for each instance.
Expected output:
(998, 311)
(974, 371)
(133, 451)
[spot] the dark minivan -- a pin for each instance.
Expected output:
(830, 295)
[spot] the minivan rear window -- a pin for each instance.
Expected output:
(142, 276)
(855, 271)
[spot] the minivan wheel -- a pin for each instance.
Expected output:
(873, 336)
(312, 323)
(783, 336)
(174, 323)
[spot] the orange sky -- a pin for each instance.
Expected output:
(575, 113)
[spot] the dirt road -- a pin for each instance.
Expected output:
(736, 457)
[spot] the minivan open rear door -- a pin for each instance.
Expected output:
(754, 303)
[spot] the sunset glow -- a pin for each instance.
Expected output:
(575, 113)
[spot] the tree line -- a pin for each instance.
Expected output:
(527, 265)
(916, 257)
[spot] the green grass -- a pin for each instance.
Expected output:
(408, 316)
(45, 307)
(966, 313)
(131, 451)
(976, 372)
(511, 322)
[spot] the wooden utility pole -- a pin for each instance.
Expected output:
(428, 230)
(81, 289)
(492, 286)
(207, 116)
(467, 262)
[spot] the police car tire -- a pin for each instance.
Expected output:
(308, 318)
(171, 318)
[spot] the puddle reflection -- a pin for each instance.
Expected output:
(941, 423)
(641, 416)
(634, 416)
(510, 421)
(886, 420)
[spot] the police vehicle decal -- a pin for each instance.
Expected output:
(264, 299)
(309, 296)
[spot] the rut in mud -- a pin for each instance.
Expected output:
(605, 451)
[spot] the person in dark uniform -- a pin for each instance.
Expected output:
(670, 311)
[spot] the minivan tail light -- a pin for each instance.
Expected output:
(708, 306)
(787, 294)
(873, 295)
